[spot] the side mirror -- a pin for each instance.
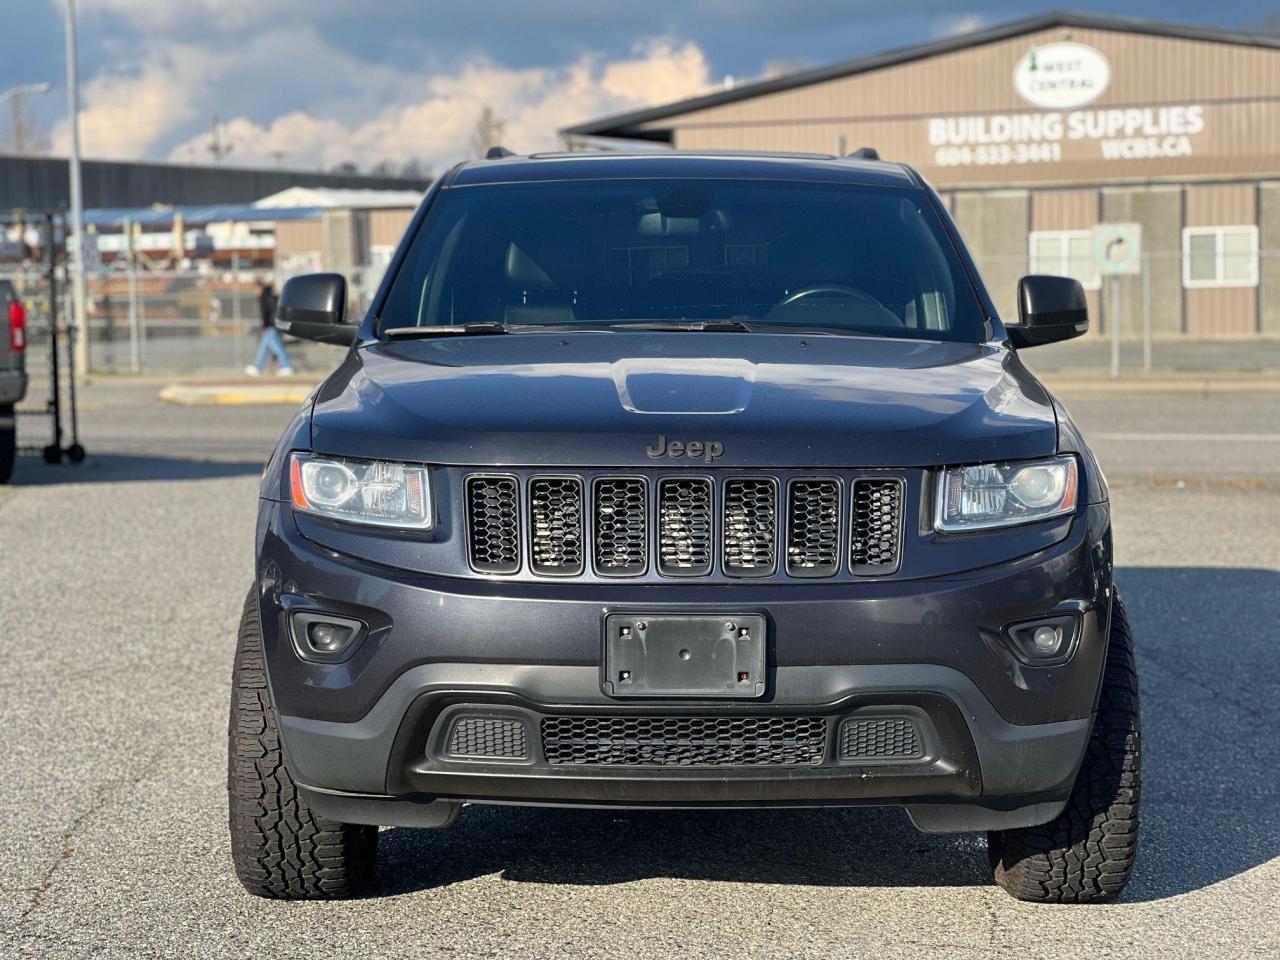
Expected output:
(314, 307)
(1050, 309)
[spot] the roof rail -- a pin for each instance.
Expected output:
(864, 153)
(497, 153)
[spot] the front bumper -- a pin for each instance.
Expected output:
(1000, 742)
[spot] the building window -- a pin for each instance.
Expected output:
(1065, 253)
(1220, 256)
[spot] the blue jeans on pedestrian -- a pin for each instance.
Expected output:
(273, 344)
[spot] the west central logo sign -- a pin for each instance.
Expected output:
(1061, 76)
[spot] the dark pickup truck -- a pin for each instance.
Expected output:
(684, 481)
(13, 374)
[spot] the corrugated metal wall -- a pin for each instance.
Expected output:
(40, 183)
(1237, 86)
(1221, 310)
(387, 226)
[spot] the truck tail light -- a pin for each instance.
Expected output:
(17, 325)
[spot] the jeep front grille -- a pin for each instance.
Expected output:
(750, 526)
(877, 527)
(684, 741)
(684, 527)
(813, 528)
(493, 524)
(555, 516)
(622, 526)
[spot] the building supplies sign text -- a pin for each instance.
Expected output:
(1130, 133)
(1060, 77)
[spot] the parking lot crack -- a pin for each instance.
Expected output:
(102, 798)
(1227, 696)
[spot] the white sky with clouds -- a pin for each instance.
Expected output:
(131, 111)
(361, 110)
(330, 81)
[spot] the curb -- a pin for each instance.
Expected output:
(231, 395)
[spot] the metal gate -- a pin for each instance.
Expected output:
(33, 258)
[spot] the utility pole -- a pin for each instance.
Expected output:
(81, 334)
(22, 139)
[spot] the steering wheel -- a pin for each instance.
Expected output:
(821, 289)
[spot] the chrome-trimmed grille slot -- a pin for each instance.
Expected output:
(875, 542)
(749, 532)
(493, 523)
(686, 528)
(795, 524)
(621, 517)
(813, 527)
(684, 741)
(555, 520)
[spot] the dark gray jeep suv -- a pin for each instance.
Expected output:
(685, 482)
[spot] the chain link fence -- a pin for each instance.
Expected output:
(201, 320)
(206, 320)
(1176, 312)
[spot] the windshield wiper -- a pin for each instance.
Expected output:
(447, 330)
(695, 326)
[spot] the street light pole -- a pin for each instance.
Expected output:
(24, 88)
(77, 201)
(16, 93)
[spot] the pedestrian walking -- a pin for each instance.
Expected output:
(271, 343)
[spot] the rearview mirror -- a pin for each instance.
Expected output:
(314, 307)
(1050, 309)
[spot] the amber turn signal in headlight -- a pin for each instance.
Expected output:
(361, 491)
(1003, 494)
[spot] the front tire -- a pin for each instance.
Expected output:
(280, 848)
(1087, 854)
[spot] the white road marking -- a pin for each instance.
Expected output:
(1191, 437)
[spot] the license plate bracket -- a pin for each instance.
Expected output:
(694, 655)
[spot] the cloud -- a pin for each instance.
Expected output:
(125, 113)
(435, 124)
(959, 24)
(330, 107)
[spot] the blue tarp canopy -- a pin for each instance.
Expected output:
(115, 217)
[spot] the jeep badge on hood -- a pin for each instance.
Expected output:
(708, 450)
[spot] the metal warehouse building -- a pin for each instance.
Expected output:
(1038, 132)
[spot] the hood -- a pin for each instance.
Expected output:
(642, 399)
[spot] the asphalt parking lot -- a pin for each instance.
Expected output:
(120, 588)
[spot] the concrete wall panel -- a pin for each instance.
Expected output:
(1269, 262)
(994, 226)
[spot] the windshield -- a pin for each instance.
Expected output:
(864, 259)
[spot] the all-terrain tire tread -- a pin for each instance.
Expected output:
(280, 848)
(1087, 853)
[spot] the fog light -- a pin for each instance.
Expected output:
(332, 637)
(324, 637)
(1047, 639)
(1044, 642)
